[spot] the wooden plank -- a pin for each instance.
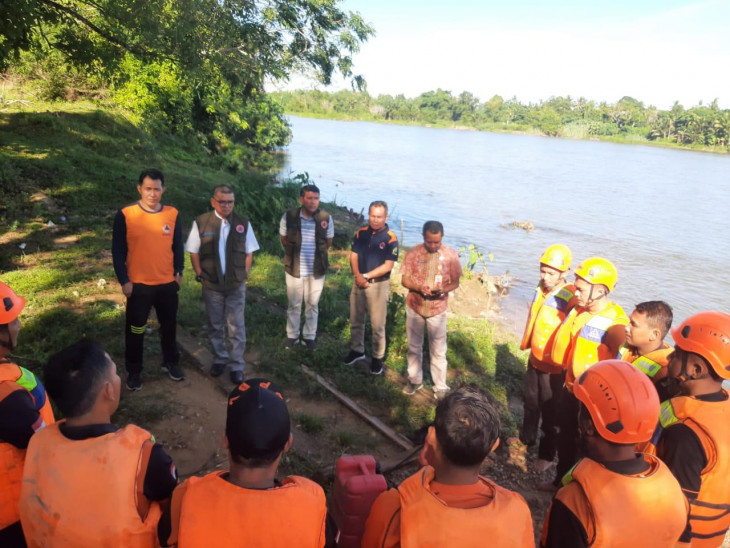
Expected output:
(353, 406)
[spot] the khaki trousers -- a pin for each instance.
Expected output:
(371, 301)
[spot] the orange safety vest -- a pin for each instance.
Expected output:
(12, 378)
(79, 493)
(647, 510)
(579, 341)
(710, 511)
(547, 312)
(654, 364)
(214, 512)
(499, 523)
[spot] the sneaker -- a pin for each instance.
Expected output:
(174, 371)
(353, 357)
(376, 366)
(440, 393)
(134, 382)
(311, 344)
(290, 343)
(412, 388)
(216, 370)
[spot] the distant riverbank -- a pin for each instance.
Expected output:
(628, 121)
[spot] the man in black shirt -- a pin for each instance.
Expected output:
(85, 480)
(694, 438)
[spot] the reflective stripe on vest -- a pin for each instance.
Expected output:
(652, 510)
(710, 511)
(88, 492)
(501, 521)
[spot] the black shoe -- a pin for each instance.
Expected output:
(376, 366)
(174, 371)
(353, 357)
(216, 370)
(134, 382)
(236, 377)
(311, 344)
(290, 343)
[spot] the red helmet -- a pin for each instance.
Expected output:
(707, 334)
(11, 304)
(622, 401)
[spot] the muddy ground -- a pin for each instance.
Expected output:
(188, 418)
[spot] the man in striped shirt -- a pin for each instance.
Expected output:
(306, 233)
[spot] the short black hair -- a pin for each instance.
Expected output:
(434, 227)
(152, 173)
(223, 189)
(74, 375)
(467, 425)
(658, 313)
(378, 203)
(308, 188)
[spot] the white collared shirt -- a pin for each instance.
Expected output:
(192, 245)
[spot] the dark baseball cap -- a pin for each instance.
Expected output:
(257, 422)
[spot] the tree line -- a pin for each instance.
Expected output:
(705, 126)
(189, 68)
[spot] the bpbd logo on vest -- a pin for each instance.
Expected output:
(166, 230)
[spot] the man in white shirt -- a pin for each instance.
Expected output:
(221, 245)
(306, 233)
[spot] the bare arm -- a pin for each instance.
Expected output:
(195, 261)
(282, 239)
(249, 262)
(355, 267)
(329, 242)
(381, 270)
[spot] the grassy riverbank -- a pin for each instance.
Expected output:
(65, 168)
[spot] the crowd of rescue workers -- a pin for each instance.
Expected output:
(636, 429)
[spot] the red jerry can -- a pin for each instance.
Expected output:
(357, 485)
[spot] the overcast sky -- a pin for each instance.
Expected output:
(657, 51)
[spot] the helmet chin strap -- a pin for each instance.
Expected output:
(590, 298)
(9, 345)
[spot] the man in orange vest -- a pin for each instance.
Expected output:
(86, 482)
(645, 348)
(694, 438)
(247, 505)
(613, 496)
(544, 379)
(24, 409)
(593, 331)
(447, 503)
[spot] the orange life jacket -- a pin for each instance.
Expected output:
(710, 512)
(214, 512)
(427, 522)
(12, 378)
(547, 312)
(654, 364)
(647, 510)
(79, 493)
(579, 340)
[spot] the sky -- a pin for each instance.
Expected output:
(657, 51)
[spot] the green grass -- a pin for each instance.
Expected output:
(81, 161)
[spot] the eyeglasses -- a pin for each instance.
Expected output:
(224, 202)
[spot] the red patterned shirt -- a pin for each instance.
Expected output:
(433, 270)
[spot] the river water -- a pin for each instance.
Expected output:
(660, 215)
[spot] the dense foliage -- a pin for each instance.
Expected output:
(188, 67)
(705, 126)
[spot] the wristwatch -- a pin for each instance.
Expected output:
(366, 277)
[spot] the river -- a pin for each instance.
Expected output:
(661, 215)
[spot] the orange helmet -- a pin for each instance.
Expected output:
(598, 270)
(707, 334)
(622, 401)
(557, 256)
(11, 304)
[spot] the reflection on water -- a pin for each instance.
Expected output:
(658, 214)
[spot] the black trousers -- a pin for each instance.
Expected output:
(568, 443)
(144, 297)
(541, 396)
